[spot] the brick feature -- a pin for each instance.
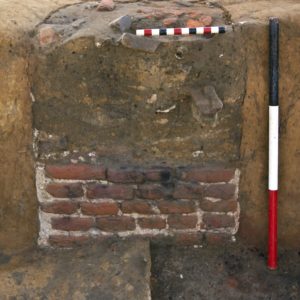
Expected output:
(159, 174)
(182, 222)
(72, 223)
(60, 207)
(97, 209)
(138, 206)
(125, 175)
(76, 171)
(188, 191)
(218, 206)
(221, 191)
(115, 224)
(151, 191)
(60, 190)
(152, 223)
(184, 205)
(176, 207)
(213, 221)
(207, 175)
(122, 192)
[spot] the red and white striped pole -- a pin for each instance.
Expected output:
(273, 141)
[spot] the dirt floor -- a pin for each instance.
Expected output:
(232, 271)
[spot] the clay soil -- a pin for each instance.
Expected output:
(233, 271)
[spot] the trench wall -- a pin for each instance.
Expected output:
(81, 118)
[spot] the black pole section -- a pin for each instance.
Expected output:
(274, 60)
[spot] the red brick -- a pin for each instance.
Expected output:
(121, 192)
(161, 174)
(221, 191)
(207, 175)
(65, 190)
(151, 191)
(182, 222)
(140, 207)
(188, 238)
(60, 207)
(175, 207)
(218, 206)
(76, 171)
(67, 241)
(188, 191)
(212, 221)
(152, 223)
(103, 208)
(72, 223)
(115, 224)
(125, 175)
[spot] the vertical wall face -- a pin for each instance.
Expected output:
(136, 142)
(18, 202)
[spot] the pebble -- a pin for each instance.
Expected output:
(106, 5)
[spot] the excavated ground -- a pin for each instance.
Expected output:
(230, 271)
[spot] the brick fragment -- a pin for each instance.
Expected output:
(60, 207)
(152, 223)
(176, 207)
(221, 191)
(188, 191)
(137, 206)
(169, 21)
(76, 171)
(182, 221)
(47, 35)
(72, 223)
(121, 192)
(218, 206)
(103, 208)
(116, 223)
(67, 241)
(151, 191)
(159, 174)
(213, 221)
(125, 175)
(207, 175)
(65, 190)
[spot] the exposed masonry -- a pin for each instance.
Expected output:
(81, 202)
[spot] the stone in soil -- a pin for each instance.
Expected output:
(106, 5)
(121, 24)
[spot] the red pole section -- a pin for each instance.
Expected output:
(273, 142)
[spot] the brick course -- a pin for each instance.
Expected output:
(61, 190)
(185, 205)
(76, 171)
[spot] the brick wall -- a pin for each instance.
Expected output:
(83, 202)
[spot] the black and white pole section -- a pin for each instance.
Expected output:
(184, 31)
(273, 141)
